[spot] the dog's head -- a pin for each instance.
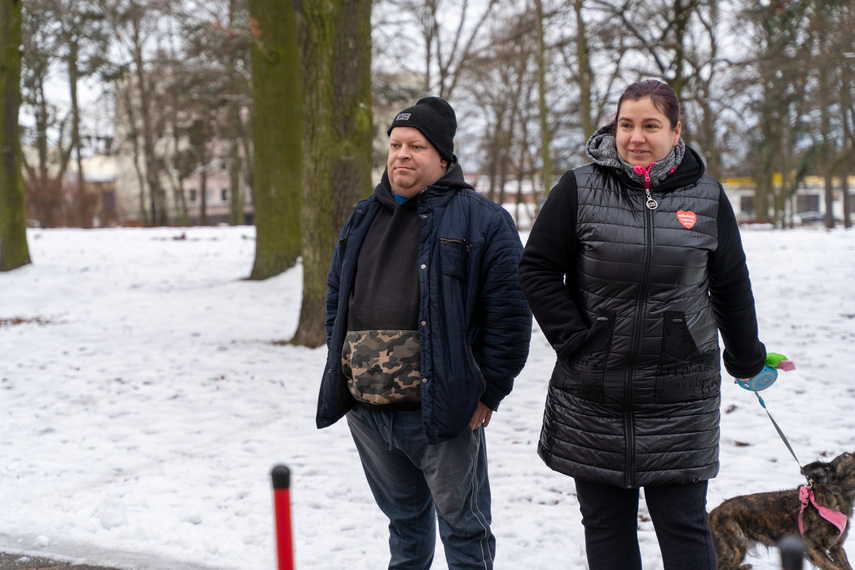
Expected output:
(839, 472)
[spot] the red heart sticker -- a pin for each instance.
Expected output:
(688, 219)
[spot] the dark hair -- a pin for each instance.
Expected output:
(662, 95)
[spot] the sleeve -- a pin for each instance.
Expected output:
(506, 318)
(732, 298)
(333, 281)
(547, 269)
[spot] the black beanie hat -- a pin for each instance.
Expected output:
(435, 118)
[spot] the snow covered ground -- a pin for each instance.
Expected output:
(144, 400)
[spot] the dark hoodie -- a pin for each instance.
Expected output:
(380, 357)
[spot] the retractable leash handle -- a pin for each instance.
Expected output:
(769, 374)
(761, 381)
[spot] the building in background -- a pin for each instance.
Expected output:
(805, 206)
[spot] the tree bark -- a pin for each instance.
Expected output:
(586, 74)
(276, 135)
(82, 210)
(543, 110)
(336, 40)
(236, 216)
(14, 251)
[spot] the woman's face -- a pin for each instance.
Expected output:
(644, 134)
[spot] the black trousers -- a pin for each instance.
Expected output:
(610, 518)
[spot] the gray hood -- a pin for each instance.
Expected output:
(602, 150)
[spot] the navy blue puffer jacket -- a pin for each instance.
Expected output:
(474, 321)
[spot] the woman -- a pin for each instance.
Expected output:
(632, 268)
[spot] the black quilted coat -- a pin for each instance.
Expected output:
(632, 299)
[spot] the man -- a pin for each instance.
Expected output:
(427, 326)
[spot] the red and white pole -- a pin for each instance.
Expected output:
(281, 476)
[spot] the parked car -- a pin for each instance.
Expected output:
(810, 218)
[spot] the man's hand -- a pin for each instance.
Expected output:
(481, 418)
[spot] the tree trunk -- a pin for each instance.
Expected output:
(336, 39)
(768, 151)
(541, 99)
(176, 178)
(235, 197)
(14, 251)
(124, 91)
(151, 163)
(203, 192)
(828, 143)
(236, 215)
(276, 135)
(586, 74)
(81, 210)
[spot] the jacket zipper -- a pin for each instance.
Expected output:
(460, 244)
(651, 203)
(640, 304)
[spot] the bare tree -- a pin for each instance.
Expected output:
(543, 110)
(832, 95)
(137, 30)
(585, 73)
(223, 49)
(14, 251)
(82, 41)
(590, 45)
(782, 74)
(45, 163)
(449, 34)
(497, 80)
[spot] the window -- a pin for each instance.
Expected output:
(224, 195)
(807, 203)
(109, 204)
(192, 194)
(746, 205)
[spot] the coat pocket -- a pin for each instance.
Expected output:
(594, 351)
(582, 375)
(454, 257)
(679, 350)
(685, 373)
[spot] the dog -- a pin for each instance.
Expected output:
(740, 523)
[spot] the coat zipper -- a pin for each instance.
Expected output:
(640, 304)
(460, 244)
(651, 203)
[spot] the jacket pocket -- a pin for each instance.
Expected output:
(595, 349)
(454, 257)
(685, 373)
(582, 374)
(678, 346)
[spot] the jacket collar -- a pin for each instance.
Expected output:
(689, 171)
(451, 182)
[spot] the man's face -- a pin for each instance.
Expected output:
(413, 162)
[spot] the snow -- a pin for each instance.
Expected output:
(145, 396)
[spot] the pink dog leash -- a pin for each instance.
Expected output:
(836, 518)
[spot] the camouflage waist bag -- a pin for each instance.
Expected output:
(382, 366)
